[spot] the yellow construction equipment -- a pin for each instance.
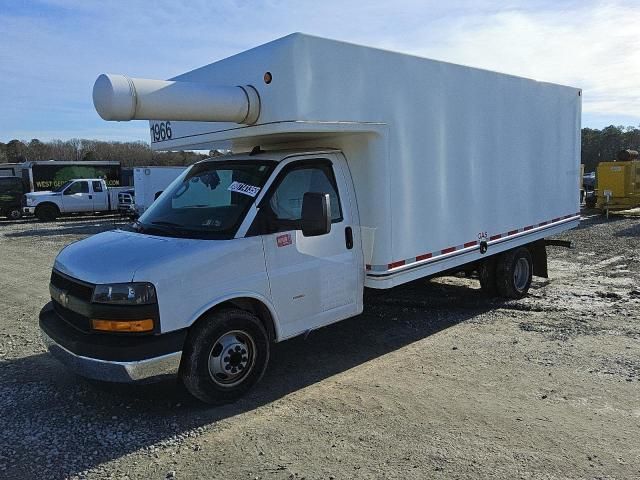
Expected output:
(618, 182)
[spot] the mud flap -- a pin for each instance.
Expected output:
(538, 250)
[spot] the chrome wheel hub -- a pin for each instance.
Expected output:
(232, 358)
(521, 274)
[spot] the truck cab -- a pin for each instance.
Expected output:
(74, 196)
(265, 242)
(11, 192)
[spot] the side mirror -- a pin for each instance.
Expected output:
(68, 191)
(316, 214)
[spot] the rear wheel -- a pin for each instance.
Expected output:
(14, 213)
(514, 272)
(226, 353)
(47, 213)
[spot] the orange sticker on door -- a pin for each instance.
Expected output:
(284, 240)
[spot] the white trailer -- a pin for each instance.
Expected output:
(150, 182)
(352, 167)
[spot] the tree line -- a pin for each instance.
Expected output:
(602, 145)
(597, 146)
(129, 154)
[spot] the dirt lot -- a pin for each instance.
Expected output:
(432, 381)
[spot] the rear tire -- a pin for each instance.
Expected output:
(226, 353)
(514, 272)
(487, 276)
(47, 213)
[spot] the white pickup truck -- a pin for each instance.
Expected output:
(74, 196)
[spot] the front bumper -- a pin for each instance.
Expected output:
(112, 358)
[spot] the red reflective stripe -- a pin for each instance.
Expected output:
(424, 256)
(448, 250)
(528, 227)
(557, 219)
(399, 263)
(543, 224)
(495, 237)
(470, 244)
(512, 232)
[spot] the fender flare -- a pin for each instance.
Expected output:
(274, 325)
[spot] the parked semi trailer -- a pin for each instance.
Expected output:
(364, 169)
(39, 176)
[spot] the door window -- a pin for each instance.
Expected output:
(282, 210)
(97, 186)
(77, 187)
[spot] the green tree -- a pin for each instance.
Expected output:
(15, 151)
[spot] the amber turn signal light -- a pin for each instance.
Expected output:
(145, 325)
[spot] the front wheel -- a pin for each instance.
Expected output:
(47, 213)
(514, 272)
(226, 353)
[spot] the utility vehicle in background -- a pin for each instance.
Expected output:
(11, 192)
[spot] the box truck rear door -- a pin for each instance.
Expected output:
(313, 280)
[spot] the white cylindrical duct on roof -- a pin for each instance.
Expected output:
(118, 97)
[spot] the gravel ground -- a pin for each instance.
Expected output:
(432, 381)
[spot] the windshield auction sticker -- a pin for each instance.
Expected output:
(244, 188)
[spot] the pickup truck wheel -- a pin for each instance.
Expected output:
(514, 273)
(225, 354)
(14, 213)
(487, 276)
(47, 213)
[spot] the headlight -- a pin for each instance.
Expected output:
(30, 201)
(125, 294)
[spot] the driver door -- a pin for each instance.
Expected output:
(313, 280)
(77, 198)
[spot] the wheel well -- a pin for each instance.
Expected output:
(253, 306)
(48, 204)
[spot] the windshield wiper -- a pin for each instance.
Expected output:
(171, 226)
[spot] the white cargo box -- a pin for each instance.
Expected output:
(442, 156)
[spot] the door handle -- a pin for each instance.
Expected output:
(348, 237)
(90, 197)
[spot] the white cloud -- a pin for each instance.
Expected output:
(597, 49)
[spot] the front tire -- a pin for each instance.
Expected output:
(514, 272)
(225, 354)
(47, 213)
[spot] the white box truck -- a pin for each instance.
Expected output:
(352, 167)
(148, 184)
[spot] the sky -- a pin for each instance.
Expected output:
(51, 51)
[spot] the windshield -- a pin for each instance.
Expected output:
(63, 186)
(209, 200)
